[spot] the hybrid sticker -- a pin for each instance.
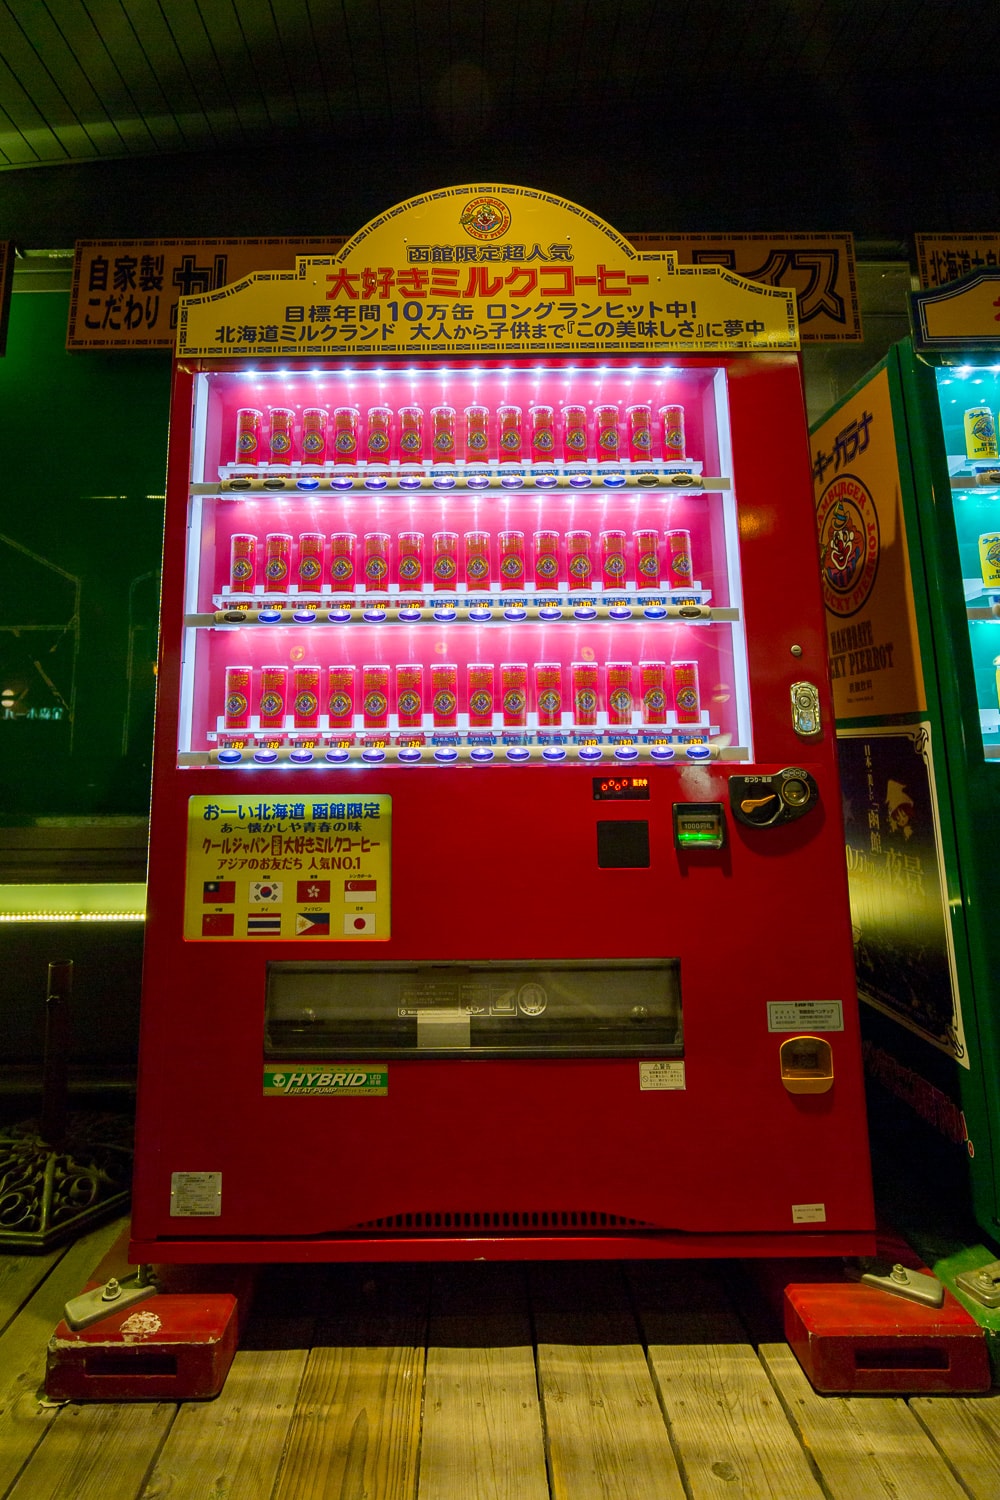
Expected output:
(285, 1080)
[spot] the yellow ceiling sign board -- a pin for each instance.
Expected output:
(946, 257)
(487, 272)
(958, 317)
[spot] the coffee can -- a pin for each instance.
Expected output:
(672, 427)
(548, 694)
(541, 421)
(342, 687)
(271, 703)
(653, 691)
(314, 425)
(678, 559)
(980, 433)
(375, 696)
(411, 434)
(410, 561)
(237, 704)
(546, 557)
(574, 424)
(579, 564)
(277, 561)
(647, 558)
(606, 433)
(477, 559)
(480, 683)
(378, 435)
(309, 569)
(249, 422)
(514, 694)
(410, 695)
(281, 432)
(583, 680)
(612, 559)
(345, 434)
(305, 697)
(989, 558)
(511, 544)
(618, 679)
(687, 701)
(443, 434)
(509, 434)
(639, 423)
(444, 695)
(444, 561)
(242, 562)
(343, 550)
(477, 439)
(375, 565)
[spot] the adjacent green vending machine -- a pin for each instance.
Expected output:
(907, 480)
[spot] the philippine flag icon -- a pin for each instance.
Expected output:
(265, 892)
(312, 924)
(359, 924)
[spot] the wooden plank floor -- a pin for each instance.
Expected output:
(576, 1381)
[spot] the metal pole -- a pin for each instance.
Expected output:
(55, 1067)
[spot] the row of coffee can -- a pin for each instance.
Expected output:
(508, 434)
(348, 697)
(409, 561)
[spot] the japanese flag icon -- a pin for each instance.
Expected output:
(359, 924)
(265, 892)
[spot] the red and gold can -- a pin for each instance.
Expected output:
(340, 696)
(672, 420)
(378, 435)
(444, 695)
(543, 434)
(653, 691)
(579, 564)
(678, 559)
(509, 434)
(277, 561)
(281, 434)
(514, 693)
(546, 560)
(477, 560)
(411, 434)
(606, 433)
(443, 434)
(309, 569)
(314, 425)
(345, 434)
(249, 422)
(477, 434)
(574, 419)
(410, 561)
(511, 544)
(375, 697)
(410, 695)
(237, 704)
(444, 561)
(612, 559)
(687, 699)
(480, 679)
(639, 421)
(618, 676)
(647, 559)
(548, 694)
(271, 703)
(376, 562)
(343, 550)
(242, 562)
(305, 697)
(583, 678)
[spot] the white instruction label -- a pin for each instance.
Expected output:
(808, 1213)
(805, 1015)
(661, 1075)
(195, 1195)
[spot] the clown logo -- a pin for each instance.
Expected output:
(849, 544)
(485, 218)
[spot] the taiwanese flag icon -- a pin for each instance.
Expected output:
(218, 892)
(218, 924)
(312, 924)
(312, 890)
(265, 892)
(359, 924)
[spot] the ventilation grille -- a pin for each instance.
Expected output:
(510, 1221)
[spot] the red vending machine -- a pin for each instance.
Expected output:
(497, 902)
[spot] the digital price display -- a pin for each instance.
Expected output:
(621, 788)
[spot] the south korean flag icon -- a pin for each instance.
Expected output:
(265, 893)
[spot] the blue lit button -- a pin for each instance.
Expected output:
(446, 754)
(626, 752)
(374, 615)
(481, 753)
(446, 614)
(553, 753)
(307, 482)
(265, 756)
(408, 612)
(655, 611)
(376, 481)
(588, 612)
(268, 616)
(619, 612)
(373, 754)
(301, 756)
(337, 755)
(662, 752)
(549, 612)
(518, 752)
(304, 616)
(698, 752)
(480, 612)
(590, 752)
(229, 757)
(409, 754)
(339, 616)
(515, 614)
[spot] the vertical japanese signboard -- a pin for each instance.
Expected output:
(6, 282)
(945, 257)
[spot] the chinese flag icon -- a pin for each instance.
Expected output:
(217, 924)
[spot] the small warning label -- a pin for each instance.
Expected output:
(195, 1195)
(808, 1213)
(661, 1075)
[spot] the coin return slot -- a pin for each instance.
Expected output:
(806, 1065)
